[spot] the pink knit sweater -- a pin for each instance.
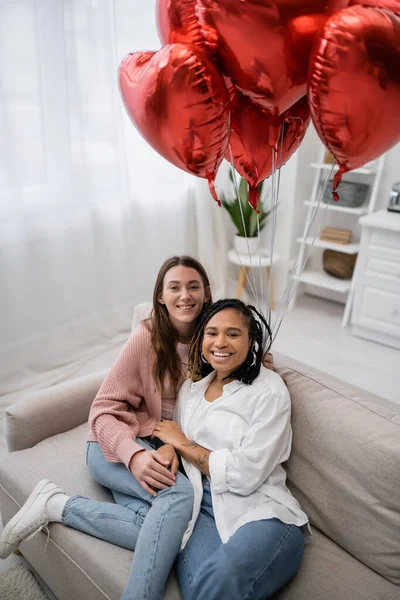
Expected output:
(128, 404)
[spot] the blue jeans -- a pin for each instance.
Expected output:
(152, 526)
(260, 558)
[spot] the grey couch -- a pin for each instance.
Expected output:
(344, 470)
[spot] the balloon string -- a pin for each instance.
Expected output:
(272, 232)
(254, 289)
(290, 288)
(279, 183)
(260, 267)
(282, 135)
(289, 291)
(261, 307)
(275, 198)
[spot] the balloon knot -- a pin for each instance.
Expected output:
(254, 196)
(211, 187)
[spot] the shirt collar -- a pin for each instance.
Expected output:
(232, 386)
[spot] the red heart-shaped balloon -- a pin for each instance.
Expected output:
(264, 47)
(179, 103)
(261, 141)
(392, 5)
(177, 22)
(354, 85)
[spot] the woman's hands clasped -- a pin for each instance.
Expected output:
(150, 468)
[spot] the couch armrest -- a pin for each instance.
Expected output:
(56, 409)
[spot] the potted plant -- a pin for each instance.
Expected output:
(244, 217)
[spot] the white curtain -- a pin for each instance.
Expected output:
(88, 210)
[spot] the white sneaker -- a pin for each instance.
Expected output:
(30, 519)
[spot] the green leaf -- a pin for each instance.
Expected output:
(253, 229)
(243, 216)
(234, 212)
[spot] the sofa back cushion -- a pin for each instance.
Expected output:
(142, 311)
(345, 465)
(42, 414)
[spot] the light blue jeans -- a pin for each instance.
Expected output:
(260, 558)
(152, 526)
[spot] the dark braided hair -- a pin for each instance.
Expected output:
(250, 368)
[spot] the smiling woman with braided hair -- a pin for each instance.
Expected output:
(246, 536)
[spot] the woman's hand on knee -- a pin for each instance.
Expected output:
(150, 469)
(171, 456)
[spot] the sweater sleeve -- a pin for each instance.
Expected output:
(266, 444)
(113, 416)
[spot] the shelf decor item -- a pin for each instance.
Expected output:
(394, 198)
(336, 235)
(329, 159)
(339, 264)
(351, 194)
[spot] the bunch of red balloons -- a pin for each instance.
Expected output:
(238, 79)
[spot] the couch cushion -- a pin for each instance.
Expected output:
(329, 573)
(74, 565)
(344, 466)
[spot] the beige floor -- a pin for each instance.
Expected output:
(311, 333)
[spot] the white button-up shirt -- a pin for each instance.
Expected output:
(249, 434)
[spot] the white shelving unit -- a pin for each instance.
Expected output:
(363, 210)
(346, 248)
(310, 242)
(367, 170)
(323, 280)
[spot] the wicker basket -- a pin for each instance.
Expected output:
(339, 264)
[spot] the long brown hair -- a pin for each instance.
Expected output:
(164, 336)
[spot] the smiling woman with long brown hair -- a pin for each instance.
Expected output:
(164, 334)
